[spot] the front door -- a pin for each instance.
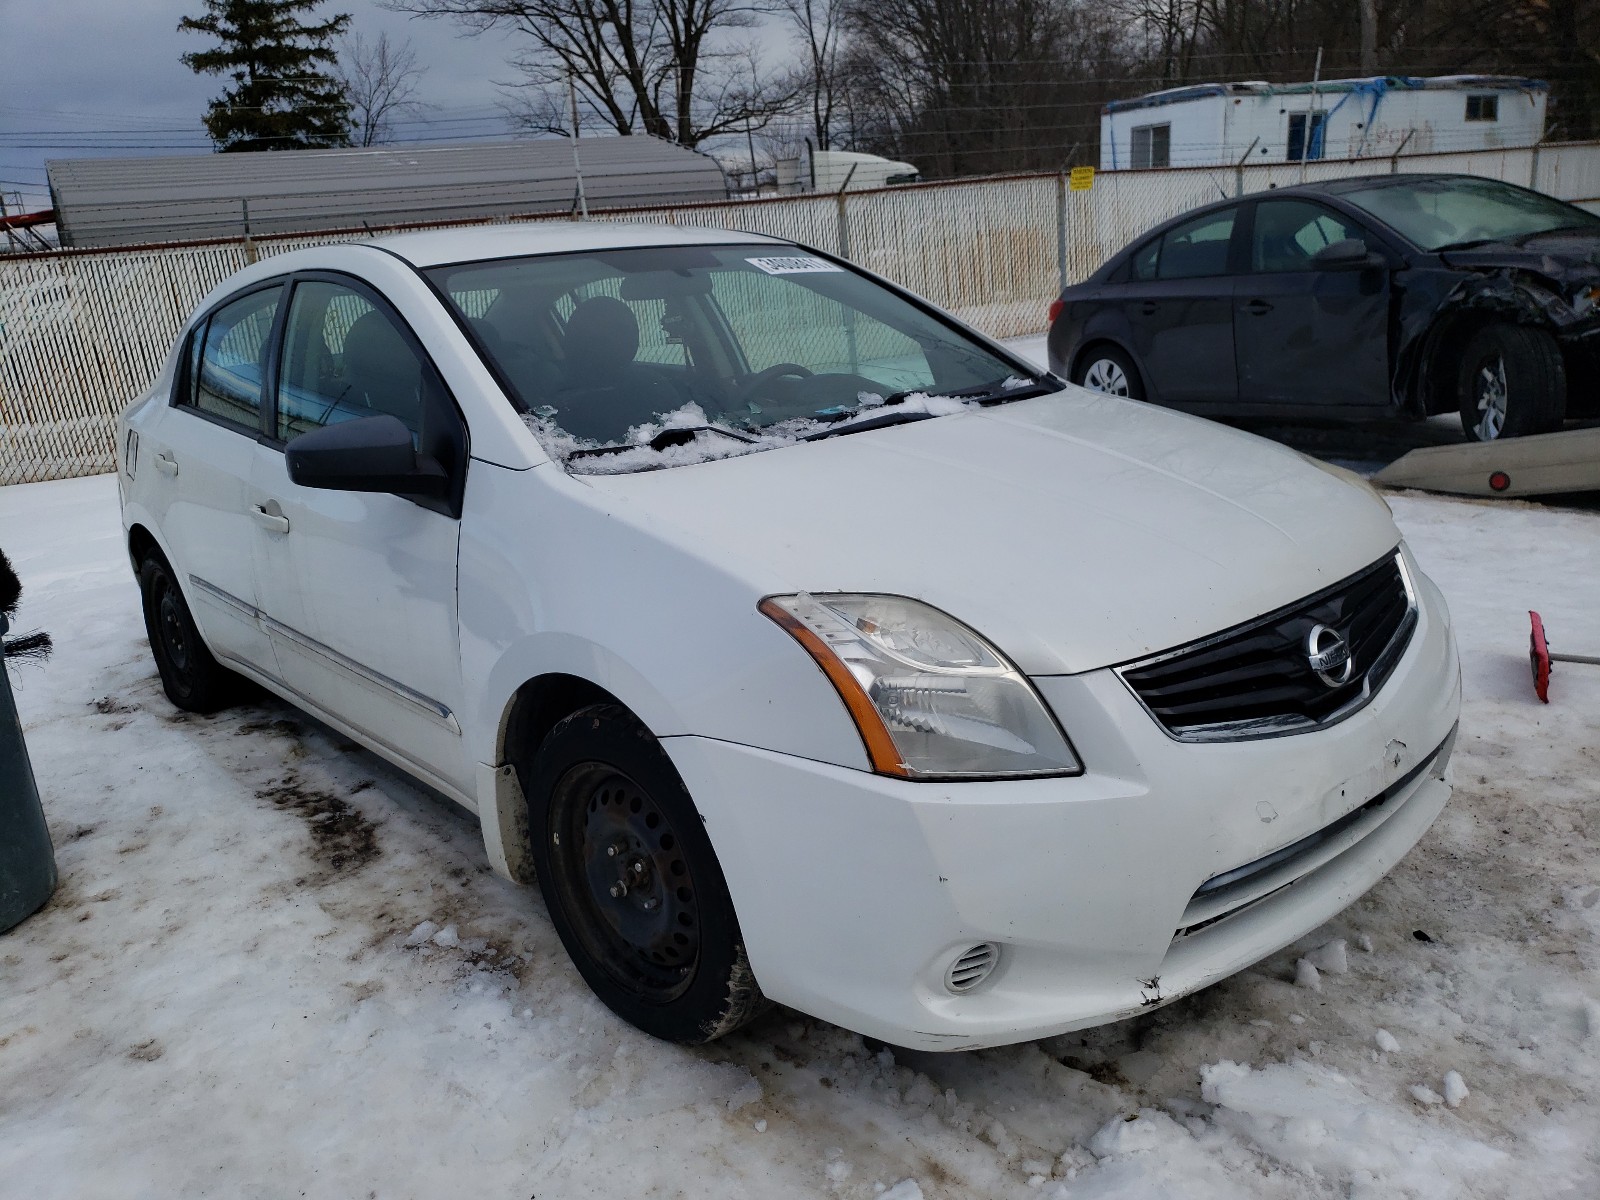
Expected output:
(1305, 336)
(358, 589)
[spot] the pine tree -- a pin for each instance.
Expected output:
(283, 96)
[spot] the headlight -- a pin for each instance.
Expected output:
(931, 698)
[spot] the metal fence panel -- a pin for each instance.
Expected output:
(81, 335)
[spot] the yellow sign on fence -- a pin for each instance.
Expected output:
(1081, 179)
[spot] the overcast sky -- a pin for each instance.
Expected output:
(86, 78)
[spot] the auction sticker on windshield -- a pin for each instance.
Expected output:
(793, 265)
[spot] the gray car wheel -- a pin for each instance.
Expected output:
(1107, 369)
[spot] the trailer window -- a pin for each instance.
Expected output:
(1152, 146)
(1483, 108)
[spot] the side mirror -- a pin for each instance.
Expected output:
(1349, 255)
(371, 454)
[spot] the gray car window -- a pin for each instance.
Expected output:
(1288, 233)
(1197, 248)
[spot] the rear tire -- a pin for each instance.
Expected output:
(1511, 383)
(632, 885)
(1109, 370)
(193, 680)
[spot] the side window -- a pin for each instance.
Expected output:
(1142, 266)
(1288, 232)
(226, 376)
(1197, 248)
(1483, 108)
(344, 358)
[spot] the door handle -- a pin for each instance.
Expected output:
(1257, 308)
(166, 464)
(270, 519)
(1148, 308)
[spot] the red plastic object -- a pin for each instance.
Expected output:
(1539, 657)
(1055, 310)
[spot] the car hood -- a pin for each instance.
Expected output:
(1554, 255)
(1073, 530)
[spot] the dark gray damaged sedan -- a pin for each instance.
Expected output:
(1354, 298)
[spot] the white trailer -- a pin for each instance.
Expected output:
(1222, 124)
(837, 170)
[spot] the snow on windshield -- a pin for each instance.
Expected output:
(704, 440)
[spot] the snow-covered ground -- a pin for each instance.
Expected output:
(276, 968)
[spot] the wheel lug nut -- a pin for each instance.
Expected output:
(618, 890)
(652, 904)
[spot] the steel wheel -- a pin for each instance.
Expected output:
(625, 882)
(1491, 399)
(631, 881)
(1104, 375)
(191, 677)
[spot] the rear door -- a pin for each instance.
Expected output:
(1179, 304)
(1305, 336)
(201, 452)
(358, 589)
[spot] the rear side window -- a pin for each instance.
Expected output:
(1197, 248)
(345, 358)
(226, 374)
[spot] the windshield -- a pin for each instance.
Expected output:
(691, 352)
(1440, 213)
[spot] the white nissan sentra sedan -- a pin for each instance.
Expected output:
(801, 643)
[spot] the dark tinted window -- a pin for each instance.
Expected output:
(1198, 247)
(344, 358)
(1288, 232)
(226, 380)
(1483, 108)
(1143, 263)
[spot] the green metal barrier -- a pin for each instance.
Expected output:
(27, 859)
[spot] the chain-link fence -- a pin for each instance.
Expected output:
(82, 334)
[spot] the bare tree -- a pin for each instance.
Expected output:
(663, 67)
(380, 83)
(821, 26)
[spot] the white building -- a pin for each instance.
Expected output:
(1217, 124)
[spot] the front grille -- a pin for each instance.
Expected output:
(1258, 680)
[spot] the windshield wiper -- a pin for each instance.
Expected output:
(678, 435)
(880, 420)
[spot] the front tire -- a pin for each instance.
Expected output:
(632, 885)
(1108, 369)
(1511, 383)
(193, 680)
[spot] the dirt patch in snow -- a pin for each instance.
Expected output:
(342, 839)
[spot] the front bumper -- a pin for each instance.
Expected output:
(855, 892)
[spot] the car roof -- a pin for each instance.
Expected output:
(435, 247)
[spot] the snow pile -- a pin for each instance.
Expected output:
(1318, 1121)
(713, 440)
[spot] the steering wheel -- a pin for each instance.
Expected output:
(756, 382)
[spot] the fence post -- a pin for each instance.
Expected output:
(250, 255)
(1394, 159)
(844, 222)
(1238, 167)
(1061, 228)
(1533, 168)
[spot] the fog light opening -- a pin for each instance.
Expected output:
(971, 967)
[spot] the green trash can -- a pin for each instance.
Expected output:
(27, 859)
